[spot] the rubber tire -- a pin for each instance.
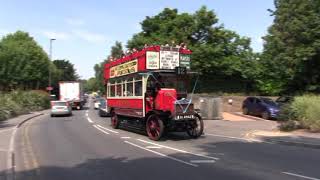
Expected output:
(245, 111)
(198, 134)
(161, 127)
(265, 115)
(51, 115)
(115, 124)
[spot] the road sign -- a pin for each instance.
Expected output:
(49, 88)
(181, 70)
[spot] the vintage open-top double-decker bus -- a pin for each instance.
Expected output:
(148, 89)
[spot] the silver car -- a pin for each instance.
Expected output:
(60, 108)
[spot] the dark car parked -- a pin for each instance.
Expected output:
(260, 106)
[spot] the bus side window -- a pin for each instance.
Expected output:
(129, 91)
(124, 88)
(138, 88)
(112, 90)
(119, 90)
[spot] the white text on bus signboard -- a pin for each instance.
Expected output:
(152, 60)
(124, 69)
(185, 60)
(169, 59)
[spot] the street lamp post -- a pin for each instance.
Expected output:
(50, 57)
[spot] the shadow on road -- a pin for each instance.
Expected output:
(123, 168)
(300, 141)
(179, 136)
(237, 160)
(174, 136)
(6, 124)
(83, 108)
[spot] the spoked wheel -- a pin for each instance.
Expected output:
(115, 120)
(195, 129)
(155, 127)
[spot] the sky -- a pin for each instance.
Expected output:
(85, 30)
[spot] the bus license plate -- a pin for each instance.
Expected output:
(181, 117)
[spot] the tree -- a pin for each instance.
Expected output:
(67, 72)
(91, 85)
(217, 52)
(23, 63)
(117, 50)
(62, 70)
(99, 79)
(291, 57)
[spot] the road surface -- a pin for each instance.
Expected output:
(85, 147)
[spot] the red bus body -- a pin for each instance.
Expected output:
(131, 85)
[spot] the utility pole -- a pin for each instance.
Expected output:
(50, 57)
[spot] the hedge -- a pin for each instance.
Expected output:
(21, 102)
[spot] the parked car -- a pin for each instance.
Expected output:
(260, 106)
(60, 108)
(103, 108)
(96, 104)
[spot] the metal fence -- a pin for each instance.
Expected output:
(211, 108)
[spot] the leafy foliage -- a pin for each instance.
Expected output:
(23, 63)
(303, 112)
(66, 70)
(62, 70)
(21, 102)
(97, 83)
(290, 61)
(91, 85)
(306, 109)
(217, 52)
(116, 50)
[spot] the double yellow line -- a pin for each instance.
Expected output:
(29, 158)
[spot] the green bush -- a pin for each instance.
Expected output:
(286, 113)
(21, 102)
(306, 109)
(303, 112)
(290, 125)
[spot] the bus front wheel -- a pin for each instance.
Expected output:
(115, 120)
(195, 128)
(155, 127)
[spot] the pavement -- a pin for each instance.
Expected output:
(235, 116)
(7, 130)
(267, 131)
(84, 146)
(305, 139)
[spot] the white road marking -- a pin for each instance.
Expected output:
(6, 130)
(90, 121)
(100, 129)
(202, 161)
(153, 147)
(87, 114)
(125, 137)
(241, 139)
(179, 150)
(108, 129)
(230, 137)
(160, 154)
(301, 176)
